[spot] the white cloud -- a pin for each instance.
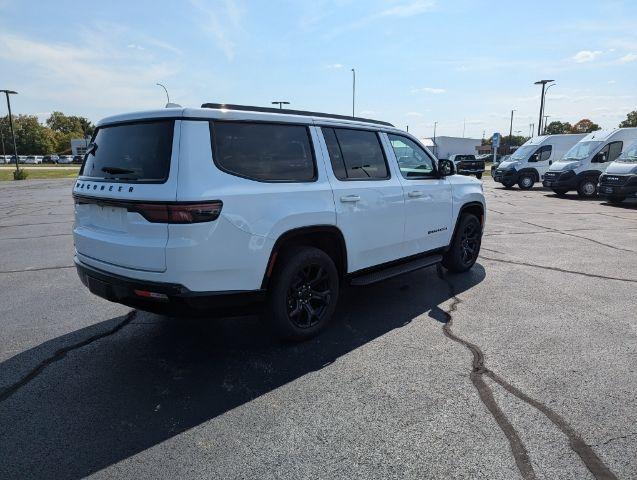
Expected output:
(334, 65)
(612, 81)
(433, 91)
(584, 56)
(631, 57)
(135, 46)
(222, 21)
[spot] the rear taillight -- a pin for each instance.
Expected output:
(178, 213)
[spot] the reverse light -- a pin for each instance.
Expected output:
(153, 295)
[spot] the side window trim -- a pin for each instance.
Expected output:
(434, 174)
(380, 146)
(213, 146)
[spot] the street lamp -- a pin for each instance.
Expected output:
(280, 104)
(15, 148)
(546, 119)
(543, 83)
(353, 90)
(545, 92)
(165, 90)
(435, 146)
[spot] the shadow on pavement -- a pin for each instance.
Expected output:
(158, 377)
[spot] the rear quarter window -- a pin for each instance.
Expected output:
(131, 152)
(265, 152)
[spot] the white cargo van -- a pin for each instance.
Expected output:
(582, 165)
(619, 181)
(531, 161)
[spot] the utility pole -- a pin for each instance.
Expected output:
(510, 131)
(15, 148)
(543, 83)
(435, 146)
(464, 125)
(546, 117)
(2, 139)
(280, 104)
(407, 128)
(353, 90)
(531, 127)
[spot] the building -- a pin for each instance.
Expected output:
(79, 145)
(444, 147)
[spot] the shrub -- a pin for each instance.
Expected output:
(20, 174)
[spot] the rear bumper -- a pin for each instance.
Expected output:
(173, 299)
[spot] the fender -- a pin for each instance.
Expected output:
(310, 235)
(473, 207)
(594, 174)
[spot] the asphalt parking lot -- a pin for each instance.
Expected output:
(526, 367)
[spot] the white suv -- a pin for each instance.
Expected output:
(188, 211)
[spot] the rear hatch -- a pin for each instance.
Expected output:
(129, 170)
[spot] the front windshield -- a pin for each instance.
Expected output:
(522, 153)
(629, 155)
(580, 151)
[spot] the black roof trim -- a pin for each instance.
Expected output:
(249, 108)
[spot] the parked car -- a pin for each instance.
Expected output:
(65, 159)
(33, 160)
(78, 158)
(4, 159)
(259, 206)
(619, 181)
(50, 159)
(531, 161)
(468, 165)
(499, 160)
(22, 158)
(582, 165)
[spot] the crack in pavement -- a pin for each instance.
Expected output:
(520, 453)
(39, 269)
(37, 237)
(557, 269)
(60, 354)
(566, 232)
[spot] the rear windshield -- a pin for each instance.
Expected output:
(465, 157)
(131, 152)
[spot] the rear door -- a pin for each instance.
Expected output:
(127, 164)
(368, 198)
(427, 197)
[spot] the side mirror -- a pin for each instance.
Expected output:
(446, 168)
(600, 158)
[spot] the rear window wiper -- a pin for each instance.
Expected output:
(116, 170)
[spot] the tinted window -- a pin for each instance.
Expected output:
(460, 158)
(614, 150)
(355, 154)
(413, 161)
(131, 152)
(264, 151)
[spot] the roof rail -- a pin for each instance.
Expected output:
(249, 108)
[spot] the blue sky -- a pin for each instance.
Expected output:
(417, 61)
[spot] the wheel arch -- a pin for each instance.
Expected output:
(476, 208)
(532, 171)
(328, 238)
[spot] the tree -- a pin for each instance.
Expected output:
(631, 120)
(585, 126)
(557, 128)
(67, 124)
(31, 137)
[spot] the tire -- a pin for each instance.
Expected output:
(465, 245)
(478, 176)
(559, 192)
(587, 188)
(616, 200)
(303, 293)
(508, 185)
(526, 181)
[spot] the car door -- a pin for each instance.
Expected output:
(368, 198)
(541, 159)
(606, 155)
(428, 202)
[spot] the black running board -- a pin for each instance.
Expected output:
(395, 270)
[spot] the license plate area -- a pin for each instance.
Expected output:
(608, 189)
(108, 217)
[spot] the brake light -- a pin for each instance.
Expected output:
(178, 213)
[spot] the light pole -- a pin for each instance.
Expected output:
(543, 83)
(15, 148)
(531, 127)
(546, 117)
(2, 139)
(511, 129)
(545, 92)
(280, 104)
(435, 146)
(353, 90)
(165, 90)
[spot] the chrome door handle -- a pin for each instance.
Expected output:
(350, 198)
(415, 194)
